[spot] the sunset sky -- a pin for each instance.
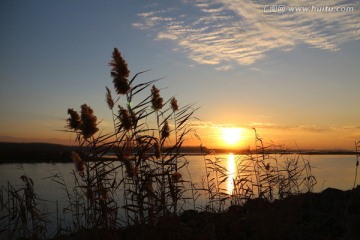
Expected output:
(293, 74)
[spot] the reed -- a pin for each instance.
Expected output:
(147, 168)
(21, 217)
(260, 174)
(213, 183)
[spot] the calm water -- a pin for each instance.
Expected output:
(335, 171)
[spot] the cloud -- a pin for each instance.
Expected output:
(208, 124)
(220, 32)
(254, 69)
(274, 126)
(303, 128)
(263, 125)
(162, 35)
(224, 68)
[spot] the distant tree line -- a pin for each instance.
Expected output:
(34, 152)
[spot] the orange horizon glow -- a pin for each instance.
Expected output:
(292, 139)
(219, 137)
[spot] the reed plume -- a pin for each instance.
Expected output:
(174, 104)
(74, 122)
(79, 164)
(109, 99)
(156, 100)
(131, 170)
(165, 131)
(88, 126)
(125, 118)
(119, 73)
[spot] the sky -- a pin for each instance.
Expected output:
(290, 69)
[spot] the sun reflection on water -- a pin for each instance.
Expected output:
(231, 167)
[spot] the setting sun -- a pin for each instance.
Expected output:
(231, 136)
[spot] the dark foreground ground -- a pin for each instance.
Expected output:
(332, 214)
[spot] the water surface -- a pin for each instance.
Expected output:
(337, 171)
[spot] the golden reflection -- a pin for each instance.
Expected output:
(231, 167)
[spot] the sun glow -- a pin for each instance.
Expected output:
(232, 136)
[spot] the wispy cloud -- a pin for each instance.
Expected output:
(163, 35)
(274, 126)
(303, 128)
(220, 32)
(224, 68)
(208, 124)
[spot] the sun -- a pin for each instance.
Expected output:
(232, 136)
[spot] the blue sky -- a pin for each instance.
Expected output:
(292, 75)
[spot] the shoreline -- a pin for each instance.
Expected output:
(54, 153)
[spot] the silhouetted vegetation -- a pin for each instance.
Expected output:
(141, 192)
(20, 216)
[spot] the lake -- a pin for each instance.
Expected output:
(336, 171)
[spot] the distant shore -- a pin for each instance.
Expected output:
(47, 152)
(34, 152)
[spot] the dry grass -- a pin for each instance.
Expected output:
(20, 216)
(259, 174)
